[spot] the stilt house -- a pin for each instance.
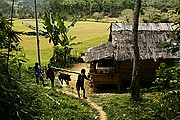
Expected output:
(111, 62)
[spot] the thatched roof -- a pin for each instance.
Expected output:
(143, 27)
(99, 52)
(151, 35)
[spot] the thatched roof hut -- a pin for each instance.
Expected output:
(111, 63)
(120, 46)
(100, 52)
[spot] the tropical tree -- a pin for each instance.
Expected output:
(14, 95)
(9, 47)
(57, 32)
(97, 16)
(6, 33)
(127, 14)
(135, 90)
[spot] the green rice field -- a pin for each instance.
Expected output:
(89, 33)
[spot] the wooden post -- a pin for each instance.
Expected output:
(37, 32)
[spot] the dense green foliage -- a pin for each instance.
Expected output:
(157, 19)
(7, 34)
(84, 8)
(5, 8)
(20, 99)
(10, 88)
(62, 57)
(168, 79)
(23, 9)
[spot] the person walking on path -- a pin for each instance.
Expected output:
(50, 75)
(80, 83)
(38, 73)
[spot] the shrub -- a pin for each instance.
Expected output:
(97, 16)
(166, 104)
(168, 78)
(62, 58)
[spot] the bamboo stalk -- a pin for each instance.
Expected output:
(52, 99)
(65, 70)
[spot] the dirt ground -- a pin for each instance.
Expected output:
(72, 83)
(77, 68)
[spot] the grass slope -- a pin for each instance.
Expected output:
(121, 107)
(152, 106)
(69, 107)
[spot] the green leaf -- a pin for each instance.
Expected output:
(50, 39)
(72, 38)
(60, 23)
(48, 23)
(22, 60)
(72, 24)
(42, 23)
(76, 43)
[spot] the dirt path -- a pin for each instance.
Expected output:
(77, 68)
(99, 108)
(102, 114)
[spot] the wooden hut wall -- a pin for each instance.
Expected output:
(147, 71)
(125, 74)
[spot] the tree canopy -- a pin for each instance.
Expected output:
(70, 8)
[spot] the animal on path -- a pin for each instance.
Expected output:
(65, 77)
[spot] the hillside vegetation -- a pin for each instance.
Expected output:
(83, 8)
(21, 98)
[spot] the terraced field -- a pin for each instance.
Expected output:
(89, 33)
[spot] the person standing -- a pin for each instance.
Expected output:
(38, 73)
(50, 75)
(80, 83)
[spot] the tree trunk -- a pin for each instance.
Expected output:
(37, 32)
(135, 90)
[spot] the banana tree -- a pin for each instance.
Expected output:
(57, 33)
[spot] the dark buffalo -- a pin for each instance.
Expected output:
(64, 77)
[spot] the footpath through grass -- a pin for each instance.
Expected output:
(115, 105)
(68, 108)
